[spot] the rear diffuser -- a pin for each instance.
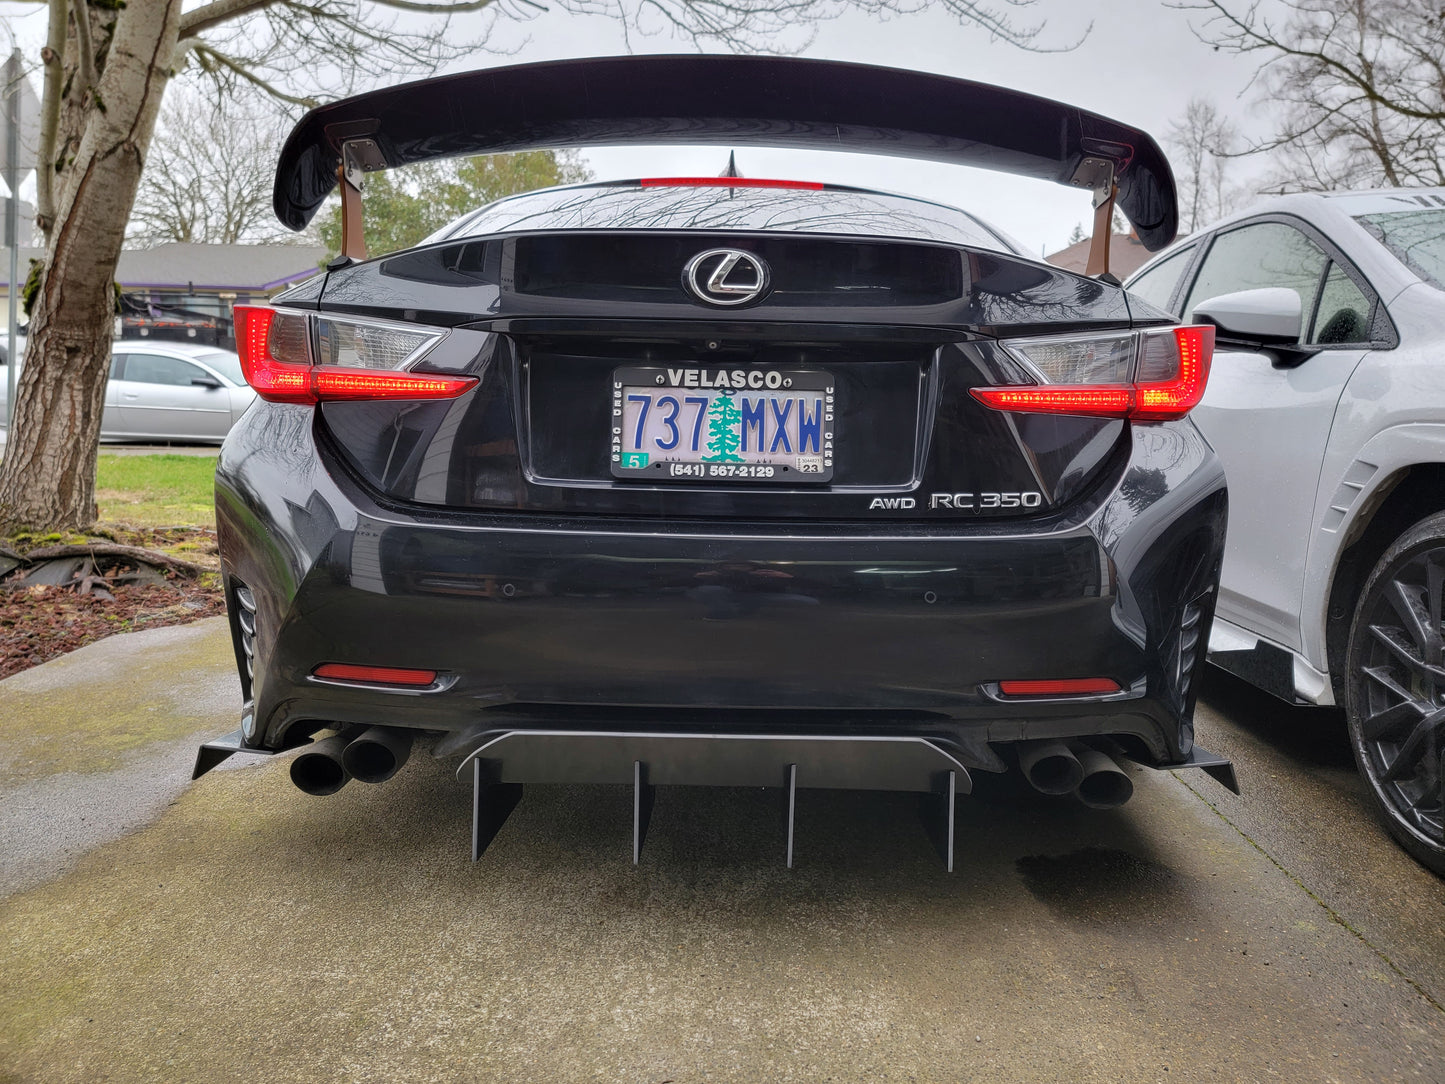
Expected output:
(506, 761)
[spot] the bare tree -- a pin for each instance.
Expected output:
(209, 173)
(1359, 86)
(1205, 143)
(107, 64)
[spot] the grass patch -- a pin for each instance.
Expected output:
(156, 490)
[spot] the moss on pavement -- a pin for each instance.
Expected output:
(86, 711)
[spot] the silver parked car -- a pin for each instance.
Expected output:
(164, 391)
(1326, 403)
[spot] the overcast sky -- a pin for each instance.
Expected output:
(1140, 64)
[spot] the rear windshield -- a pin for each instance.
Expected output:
(835, 211)
(1416, 238)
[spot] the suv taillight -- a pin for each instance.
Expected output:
(1145, 376)
(298, 357)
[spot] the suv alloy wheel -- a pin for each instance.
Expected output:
(1396, 696)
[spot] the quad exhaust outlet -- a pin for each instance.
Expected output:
(319, 769)
(1050, 767)
(1105, 785)
(377, 753)
(373, 756)
(1093, 777)
(500, 762)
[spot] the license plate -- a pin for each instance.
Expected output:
(694, 424)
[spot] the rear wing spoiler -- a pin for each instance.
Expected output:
(730, 101)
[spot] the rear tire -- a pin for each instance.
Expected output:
(1395, 697)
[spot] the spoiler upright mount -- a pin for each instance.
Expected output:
(729, 101)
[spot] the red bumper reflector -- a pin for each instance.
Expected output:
(727, 182)
(1061, 687)
(376, 675)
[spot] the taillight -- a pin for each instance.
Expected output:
(297, 357)
(1145, 376)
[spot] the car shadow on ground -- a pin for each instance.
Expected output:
(729, 843)
(1311, 737)
(351, 937)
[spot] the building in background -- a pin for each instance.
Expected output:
(1126, 255)
(185, 292)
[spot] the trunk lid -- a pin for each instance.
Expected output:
(602, 380)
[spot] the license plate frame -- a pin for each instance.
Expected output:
(789, 414)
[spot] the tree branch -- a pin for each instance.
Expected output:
(1247, 39)
(458, 8)
(217, 12)
(205, 52)
(48, 154)
(85, 47)
(184, 47)
(1358, 86)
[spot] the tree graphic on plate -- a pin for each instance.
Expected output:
(722, 431)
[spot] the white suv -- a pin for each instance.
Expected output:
(1326, 403)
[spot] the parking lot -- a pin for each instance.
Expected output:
(236, 927)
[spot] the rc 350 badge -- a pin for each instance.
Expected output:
(961, 502)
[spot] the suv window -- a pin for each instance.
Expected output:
(1156, 285)
(1343, 315)
(1416, 238)
(1253, 257)
(157, 369)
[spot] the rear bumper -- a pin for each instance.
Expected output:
(537, 623)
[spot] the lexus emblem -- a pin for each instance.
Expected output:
(726, 276)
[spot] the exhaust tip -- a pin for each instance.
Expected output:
(1050, 767)
(318, 770)
(1105, 784)
(377, 754)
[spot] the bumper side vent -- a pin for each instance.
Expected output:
(1191, 626)
(246, 622)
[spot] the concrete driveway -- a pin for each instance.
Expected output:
(250, 931)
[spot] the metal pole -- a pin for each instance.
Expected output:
(13, 75)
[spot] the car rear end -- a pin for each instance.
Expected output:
(720, 481)
(532, 481)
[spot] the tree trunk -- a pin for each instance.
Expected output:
(47, 479)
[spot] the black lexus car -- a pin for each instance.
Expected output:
(720, 481)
